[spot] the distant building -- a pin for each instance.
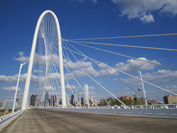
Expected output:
(86, 95)
(60, 101)
(96, 102)
(72, 100)
(0, 104)
(76, 99)
(34, 100)
(152, 101)
(46, 99)
(82, 100)
(139, 101)
(20, 101)
(132, 100)
(170, 99)
(91, 100)
(53, 100)
(126, 98)
(9, 104)
(67, 100)
(3, 105)
(140, 92)
(17, 106)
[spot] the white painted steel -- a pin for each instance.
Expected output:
(5, 120)
(21, 65)
(27, 85)
(150, 110)
(142, 83)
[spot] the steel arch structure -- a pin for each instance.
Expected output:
(28, 79)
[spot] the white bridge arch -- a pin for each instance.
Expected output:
(28, 79)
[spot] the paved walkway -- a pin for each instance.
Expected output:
(48, 121)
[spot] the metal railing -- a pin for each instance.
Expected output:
(11, 115)
(155, 106)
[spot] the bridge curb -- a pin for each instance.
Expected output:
(7, 121)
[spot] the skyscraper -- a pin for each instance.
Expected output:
(91, 100)
(67, 100)
(82, 100)
(33, 100)
(72, 99)
(76, 99)
(86, 94)
(46, 99)
(53, 100)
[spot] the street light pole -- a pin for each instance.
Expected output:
(21, 65)
(143, 86)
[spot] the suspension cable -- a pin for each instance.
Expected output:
(129, 75)
(126, 56)
(135, 36)
(100, 84)
(79, 83)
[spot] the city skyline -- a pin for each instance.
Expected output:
(88, 66)
(93, 19)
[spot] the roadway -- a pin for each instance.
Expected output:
(52, 121)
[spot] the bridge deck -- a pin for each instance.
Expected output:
(49, 121)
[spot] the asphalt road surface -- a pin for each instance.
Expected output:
(48, 121)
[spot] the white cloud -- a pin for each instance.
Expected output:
(37, 71)
(13, 88)
(39, 59)
(92, 93)
(102, 65)
(22, 59)
(170, 7)
(94, 1)
(70, 86)
(54, 75)
(21, 53)
(49, 88)
(133, 65)
(143, 9)
(92, 88)
(106, 72)
(74, 65)
(8, 79)
(160, 76)
(13, 79)
(92, 72)
(87, 67)
(147, 18)
(171, 87)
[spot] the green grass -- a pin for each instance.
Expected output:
(3, 113)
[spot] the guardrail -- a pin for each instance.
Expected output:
(155, 106)
(5, 118)
(169, 110)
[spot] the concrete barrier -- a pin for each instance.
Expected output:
(147, 112)
(7, 119)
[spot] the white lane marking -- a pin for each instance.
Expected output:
(147, 113)
(161, 113)
(173, 114)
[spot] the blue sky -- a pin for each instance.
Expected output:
(89, 19)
